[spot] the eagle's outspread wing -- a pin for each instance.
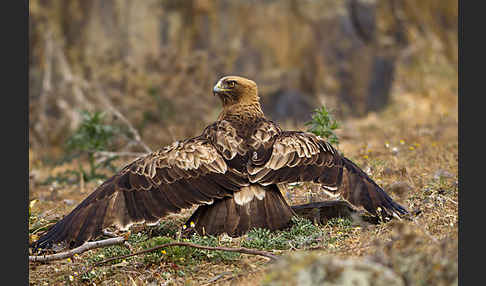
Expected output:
(175, 177)
(298, 156)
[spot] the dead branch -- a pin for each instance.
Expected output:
(85, 247)
(188, 244)
(217, 277)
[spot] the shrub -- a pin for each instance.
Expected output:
(92, 136)
(323, 124)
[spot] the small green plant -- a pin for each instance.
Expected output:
(323, 124)
(92, 276)
(261, 238)
(109, 252)
(343, 223)
(138, 237)
(92, 136)
(168, 228)
(167, 254)
(210, 240)
(182, 255)
(302, 233)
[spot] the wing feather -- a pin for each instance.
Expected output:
(297, 156)
(175, 177)
(300, 156)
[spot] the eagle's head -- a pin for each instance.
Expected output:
(236, 90)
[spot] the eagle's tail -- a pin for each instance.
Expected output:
(360, 190)
(252, 207)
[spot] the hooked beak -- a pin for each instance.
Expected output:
(218, 88)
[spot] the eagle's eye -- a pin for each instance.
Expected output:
(231, 83)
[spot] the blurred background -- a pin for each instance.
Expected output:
(150, 65)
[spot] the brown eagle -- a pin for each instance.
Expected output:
(232, 171)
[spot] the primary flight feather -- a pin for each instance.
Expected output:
(232, 171)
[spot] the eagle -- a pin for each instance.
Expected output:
(233, 172)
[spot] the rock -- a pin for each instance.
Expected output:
(311, 268)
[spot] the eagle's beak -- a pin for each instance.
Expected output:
(218, 88)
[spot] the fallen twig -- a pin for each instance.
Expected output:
(85, 247)
(217, 277)
(188, 244)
